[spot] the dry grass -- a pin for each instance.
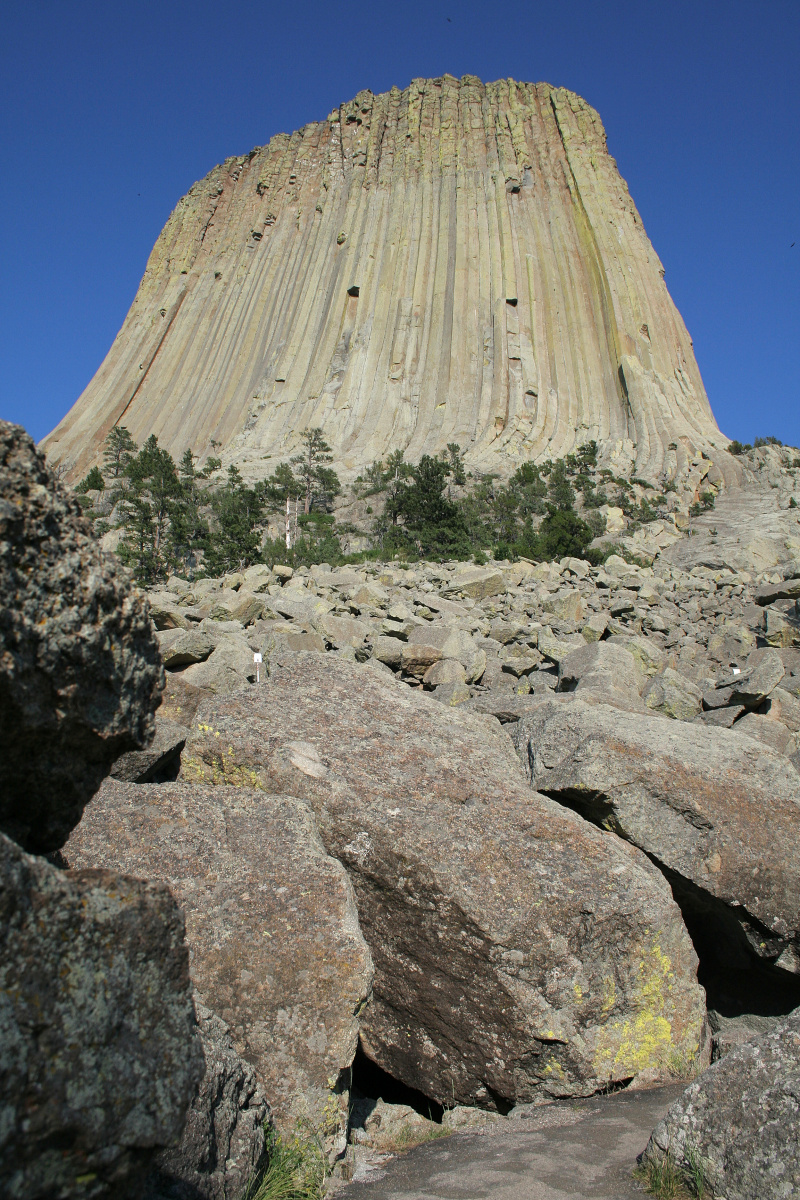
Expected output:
(296, 1169)
(409, 1136)
(663, 1178)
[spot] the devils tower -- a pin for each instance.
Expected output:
(454, 262)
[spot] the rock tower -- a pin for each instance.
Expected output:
(453, 262)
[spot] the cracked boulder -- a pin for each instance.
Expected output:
(519, 951)
(271, 925)
(80, 674)
(716, 810)
(99, 1054)
(741, 1120)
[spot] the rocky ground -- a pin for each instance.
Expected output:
(689, 666)
(467, 843)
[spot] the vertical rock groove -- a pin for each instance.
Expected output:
(451, 262)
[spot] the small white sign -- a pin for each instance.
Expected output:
(257, 657)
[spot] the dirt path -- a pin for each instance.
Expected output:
(583, 1150)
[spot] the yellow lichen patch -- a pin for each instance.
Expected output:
(609, 993)
(644, 1038)
(219, 772)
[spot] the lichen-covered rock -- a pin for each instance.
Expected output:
(80, 675)
(673, 695)
(99, 1054)
(519, 952)
(741, 1119)
(227, 669)
(717, 810)
(271, 924)
(224, 1142)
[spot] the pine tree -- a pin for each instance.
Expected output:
(146, 505)
(431, 523)
(239, 512)
(93, 482)
(316, 480)
(189, 531)
(119, 449)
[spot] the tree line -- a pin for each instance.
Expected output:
(189, 518)
(183, 516)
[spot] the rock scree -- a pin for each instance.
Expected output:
(715, 810)
(741, 1119)
(99, 1050)
(224, 1144)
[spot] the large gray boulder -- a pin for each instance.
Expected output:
(224, 1142)
(741, 1120)
(717, 811)
(607, 671)
(80, 675)
(229, 667)
(271, 924)
(519, 952)
(99, 1054)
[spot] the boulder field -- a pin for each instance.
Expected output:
(470, 838)
(519, 952)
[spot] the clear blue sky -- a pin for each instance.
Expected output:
(110, 111)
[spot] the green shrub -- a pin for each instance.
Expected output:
(93, 482)
(561, 534)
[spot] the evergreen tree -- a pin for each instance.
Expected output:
(561, 534)
(530, 488)
(239, 513)
(189, 531)
(93, 482)
(317, 482)
(455, 461)
(562, 494)
(397, 471)
(432, 524)
(119, 449)
(146, 504)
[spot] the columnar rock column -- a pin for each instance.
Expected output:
(455, 262)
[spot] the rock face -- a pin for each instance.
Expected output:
(399, 275)
(742, 1119)
(519, 952)
(718, 811)
(80, 674)
(100, 1054)
(271, 925)
(224, 1141)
